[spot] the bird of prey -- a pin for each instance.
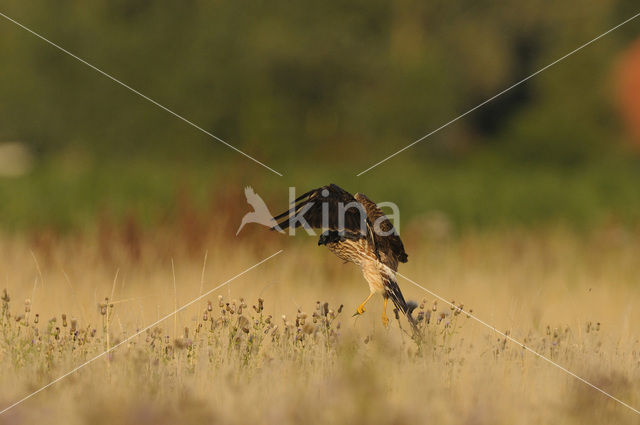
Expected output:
(260, 213)
(356, 230)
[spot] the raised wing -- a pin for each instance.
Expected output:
(308, 208)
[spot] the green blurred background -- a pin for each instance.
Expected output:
(319, 91)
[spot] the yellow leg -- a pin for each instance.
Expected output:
(385, 319)
(361, 309)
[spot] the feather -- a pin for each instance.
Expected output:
(359, 218)
(393, 292)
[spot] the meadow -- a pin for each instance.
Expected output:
(523, 212)
(279, 343)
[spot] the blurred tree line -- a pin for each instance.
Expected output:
(291, 78)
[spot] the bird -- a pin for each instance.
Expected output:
(260, 213)
(356, 230)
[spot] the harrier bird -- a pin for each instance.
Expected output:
(357, 231)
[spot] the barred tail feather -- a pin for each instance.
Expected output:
(392, 291)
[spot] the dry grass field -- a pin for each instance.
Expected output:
(267, 349)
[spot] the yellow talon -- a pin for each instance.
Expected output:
(385, 319)
(360, 310)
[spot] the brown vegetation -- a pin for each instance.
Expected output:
(263, 350)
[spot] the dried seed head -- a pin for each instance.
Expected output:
(64, 320)
(209, 306)
(243, 323)
(27, 305)
(260, 304)
(37, 319)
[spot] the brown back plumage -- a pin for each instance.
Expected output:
(391, 245)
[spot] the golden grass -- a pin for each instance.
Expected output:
(572, 298)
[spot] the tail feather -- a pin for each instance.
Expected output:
(393, 292)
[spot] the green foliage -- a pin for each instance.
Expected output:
(297, 85)
(478, 193)
(297, 78)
